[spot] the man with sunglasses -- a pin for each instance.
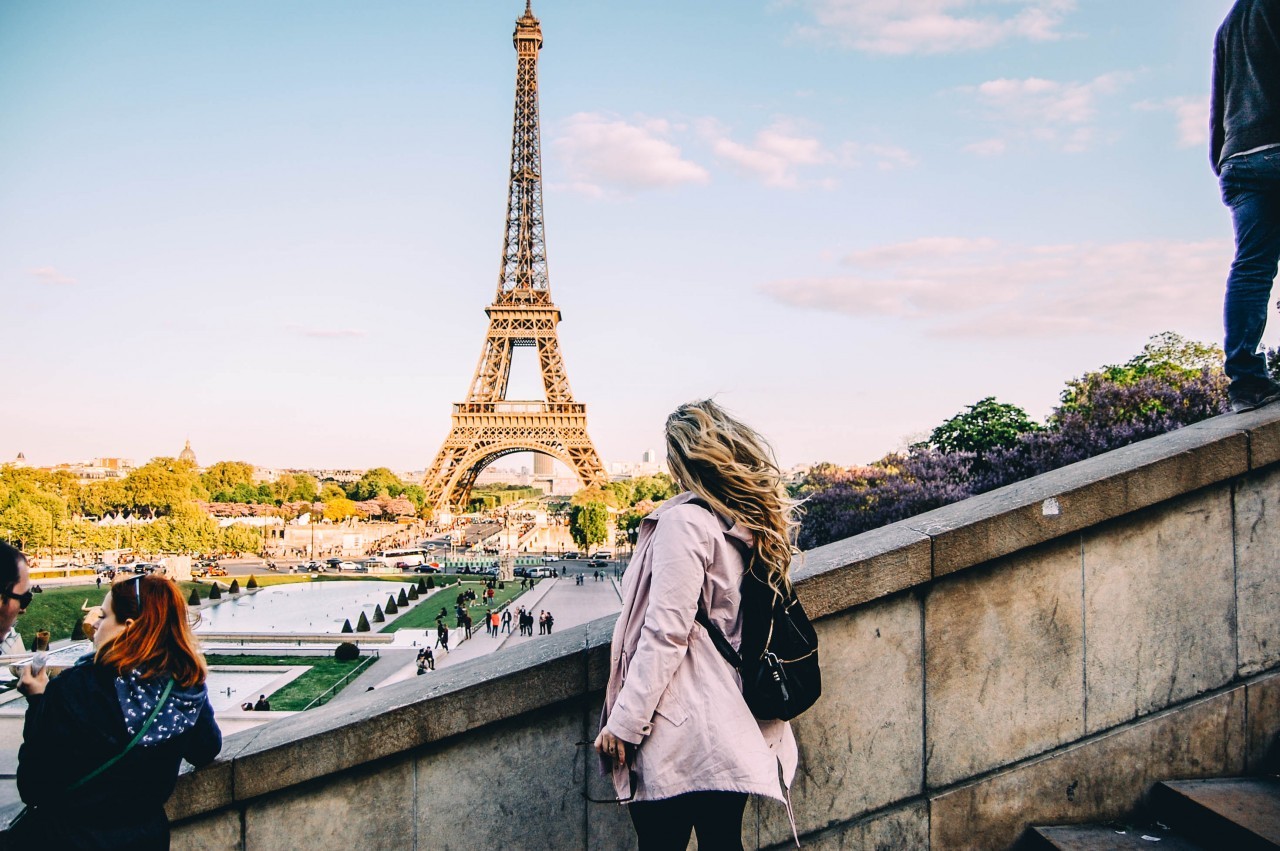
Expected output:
(15, 591)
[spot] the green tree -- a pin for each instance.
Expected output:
(379, 481)
(657, 487)
(296, 487)
(330, 491)
(589, 524)
(341, 509)
(1169, 357)
(983, 426)
(161, 484)
(225, 475)
(238, 538)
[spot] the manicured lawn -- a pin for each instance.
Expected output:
(423, 614)
(58, 608)
(325, 672)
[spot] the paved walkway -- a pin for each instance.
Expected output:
(569, 604)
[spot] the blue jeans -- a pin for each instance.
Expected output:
(1251, 188)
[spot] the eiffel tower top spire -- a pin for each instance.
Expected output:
(522, 278)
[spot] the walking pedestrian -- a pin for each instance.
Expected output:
(506, 621)
(551, 621)
(694, 773)
(1244, 149)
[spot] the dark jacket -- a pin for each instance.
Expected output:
(85, 716)
(1245, 100)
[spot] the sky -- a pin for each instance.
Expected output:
(272, 228)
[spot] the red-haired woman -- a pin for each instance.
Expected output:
(141, 694)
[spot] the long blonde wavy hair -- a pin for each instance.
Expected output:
(731, 467)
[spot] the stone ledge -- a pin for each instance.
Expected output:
(855, 570)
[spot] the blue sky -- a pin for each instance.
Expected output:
(273, 228)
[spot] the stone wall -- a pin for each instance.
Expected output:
(1039, 654)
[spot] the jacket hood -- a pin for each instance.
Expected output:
(138, 698)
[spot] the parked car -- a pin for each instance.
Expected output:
(102, 567)
(603, 555)
(542, 573)
(217, 571)
(427, 568)
(549, 559)
(311, 567)
(570, 555)
(361, 568)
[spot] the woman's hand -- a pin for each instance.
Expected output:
(611, 746)
(29, 684)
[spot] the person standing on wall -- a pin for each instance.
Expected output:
(1244, 149)
(685, 748)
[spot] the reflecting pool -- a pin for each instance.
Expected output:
(304, 607)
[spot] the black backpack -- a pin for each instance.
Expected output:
(779, 659)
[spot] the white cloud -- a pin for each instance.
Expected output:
(1060, 115)
(784, 155)
(1191, 115)
(604, 154)
(899, 27)
(50, 276)
(983, 287)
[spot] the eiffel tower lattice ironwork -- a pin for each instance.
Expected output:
(488, 426)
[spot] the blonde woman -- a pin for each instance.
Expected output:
(686, 751)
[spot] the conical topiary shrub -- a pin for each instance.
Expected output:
(77, 629)
(194, 599)
(215, 593)
(403, 599)
(253, 582)
(423, 586)
(392, 608)
(362, 625)
(413, 592)
(431, 583)
(235, 586)
(378, 616)
(346, 625)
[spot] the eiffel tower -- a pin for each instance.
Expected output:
(488, 426)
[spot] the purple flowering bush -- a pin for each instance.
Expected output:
(1170, 385)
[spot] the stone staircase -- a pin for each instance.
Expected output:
(1228, 814)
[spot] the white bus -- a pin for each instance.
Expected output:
(402, 558)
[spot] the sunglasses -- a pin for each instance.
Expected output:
(24, 599)
(582, 779)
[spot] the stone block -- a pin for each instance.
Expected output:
(1159, 608)
(1004, 662)
(368, 808)
(217, 832)
(852, 571)
(861, 745)
(1257, 538)
(1039, 509)
(1096, 780)
(900, 829)
(397, 718)
(516, 784)
(1264, 435)
(608, 825)
(1263, 755)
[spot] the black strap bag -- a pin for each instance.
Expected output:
(779, 659)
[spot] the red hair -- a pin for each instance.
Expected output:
(160, 640)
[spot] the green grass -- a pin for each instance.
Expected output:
(423, 613)
(325, 672)
(58, 608)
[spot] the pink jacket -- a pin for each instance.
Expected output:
(670, 691)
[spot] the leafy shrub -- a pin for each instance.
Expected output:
(346, 652)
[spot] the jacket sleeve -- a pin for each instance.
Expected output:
(205, 739)
(681, 549)
(40, 760)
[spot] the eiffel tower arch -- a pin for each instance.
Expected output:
(488, 425)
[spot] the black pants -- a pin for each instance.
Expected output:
(665, 825)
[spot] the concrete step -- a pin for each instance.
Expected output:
(1097, 837)
(1242, 814)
